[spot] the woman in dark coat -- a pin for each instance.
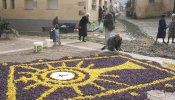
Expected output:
(162, 28)
(83, 27)
(171, 31)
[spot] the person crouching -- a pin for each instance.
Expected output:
(113, 43)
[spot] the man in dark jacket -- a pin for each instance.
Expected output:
(171, 31)
(162, 28)
(100, 15)
(113, 43)
(83, 27)
(108, 25)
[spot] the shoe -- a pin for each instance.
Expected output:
(84, 41)
(168, 42)
(173, 42)
(164, 42)
(55, 43)
(103, 48)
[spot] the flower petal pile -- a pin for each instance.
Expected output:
(99, 77)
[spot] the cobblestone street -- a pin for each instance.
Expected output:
(144, 32)
(147, 26)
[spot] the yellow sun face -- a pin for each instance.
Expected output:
(74, 77)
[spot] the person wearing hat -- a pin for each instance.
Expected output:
(171, 31)
(83, 27)
(162, 29)
(113, 43)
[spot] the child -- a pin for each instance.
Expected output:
(56, 37)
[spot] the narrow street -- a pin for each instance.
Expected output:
(143, 41)
(137, 37)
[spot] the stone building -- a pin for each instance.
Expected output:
(148, 8)
(33, 15)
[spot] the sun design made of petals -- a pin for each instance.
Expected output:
(82, 76)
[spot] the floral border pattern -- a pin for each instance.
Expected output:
(101, 77)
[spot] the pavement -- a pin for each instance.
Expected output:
(21, 50)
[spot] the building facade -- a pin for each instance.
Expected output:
(149, 8)
(33, 15)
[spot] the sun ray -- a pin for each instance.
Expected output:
(113, 76)
(79, 64)
(118, 83)
(49, 66)
(98, 86)
(30, 67)
(23, 79)
(46, 93)
(126, 66)
(63, 65)
(89, 66)
(26, 73)
(11, 94)
(31, 86)
(77, 90)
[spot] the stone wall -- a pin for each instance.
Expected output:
(145, 9)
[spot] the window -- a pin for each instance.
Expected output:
(82, 3)
(12, 4)
(94, 5)
(81, 12)
(29, 4)
(151, 1)
(4, 4)
(52, 4)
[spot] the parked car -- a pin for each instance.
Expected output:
(67, 27)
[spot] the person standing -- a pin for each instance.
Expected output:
(104, 9)
(162, 29)
(111, 10)
(56, 38)
(83, 27)
(56, 31)
(171, 31)
(1, 26)
(100, 14)
(108, 25)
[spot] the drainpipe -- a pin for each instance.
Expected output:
(174, 7)
(86, 6)
(0, 14)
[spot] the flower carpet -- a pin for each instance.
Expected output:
(99, 77)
